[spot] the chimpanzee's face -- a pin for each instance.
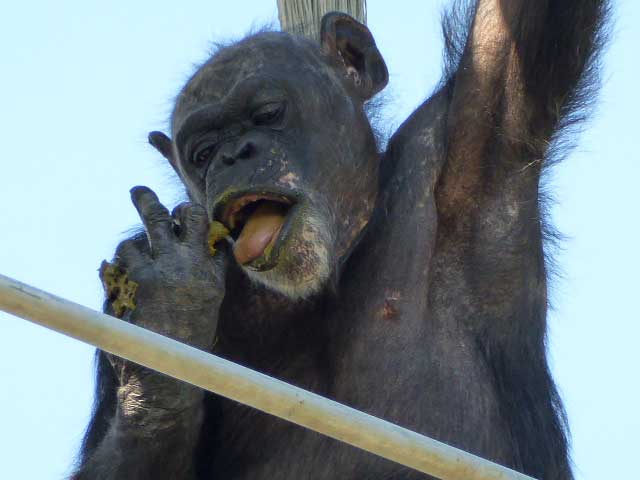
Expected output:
(270, 139)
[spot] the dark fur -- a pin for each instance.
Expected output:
(537, 413)
(437, 316)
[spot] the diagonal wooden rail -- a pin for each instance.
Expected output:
(247, 386)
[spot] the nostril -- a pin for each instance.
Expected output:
(246, 150)
(228, 159)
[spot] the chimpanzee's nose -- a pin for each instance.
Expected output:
(246, 149)
(228, 159)
(243, 150)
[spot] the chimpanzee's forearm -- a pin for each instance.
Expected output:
(148, 438)
(146, 425)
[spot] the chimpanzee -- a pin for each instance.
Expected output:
(410, 283)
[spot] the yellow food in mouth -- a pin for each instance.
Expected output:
(217, 232)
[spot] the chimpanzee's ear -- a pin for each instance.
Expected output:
(352, 42)
(163, 144)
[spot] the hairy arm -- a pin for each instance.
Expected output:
(527, 69)
(152, 432)
(147, 425)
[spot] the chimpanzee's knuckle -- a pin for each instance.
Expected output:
(126, 245)
(192, 213)
(129, 245)
(148, 205)
(177, 211)
(197, 211)
(155, 215)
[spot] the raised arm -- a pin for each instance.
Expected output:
(525, 71)
(528, 69)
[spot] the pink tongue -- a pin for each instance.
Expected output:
(260, 229)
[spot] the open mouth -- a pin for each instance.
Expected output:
(257, 221)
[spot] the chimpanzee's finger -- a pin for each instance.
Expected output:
(155, 217)
(193, 221)
(221, 263)
(133, 250)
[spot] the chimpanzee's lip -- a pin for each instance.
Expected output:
(230, 206)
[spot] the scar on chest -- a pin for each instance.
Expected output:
(390, 309)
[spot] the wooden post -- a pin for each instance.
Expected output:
(247, 386)
(302, 17)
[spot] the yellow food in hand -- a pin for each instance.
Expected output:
(119, 289)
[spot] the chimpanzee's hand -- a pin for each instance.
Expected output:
(180, 288)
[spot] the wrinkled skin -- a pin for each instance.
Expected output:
(409, 284)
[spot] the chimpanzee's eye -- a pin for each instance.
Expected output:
(268, 114)
(202, 156)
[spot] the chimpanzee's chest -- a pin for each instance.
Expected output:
(378, 361)
(259, 447)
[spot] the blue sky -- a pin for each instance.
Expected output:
(83, 82)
